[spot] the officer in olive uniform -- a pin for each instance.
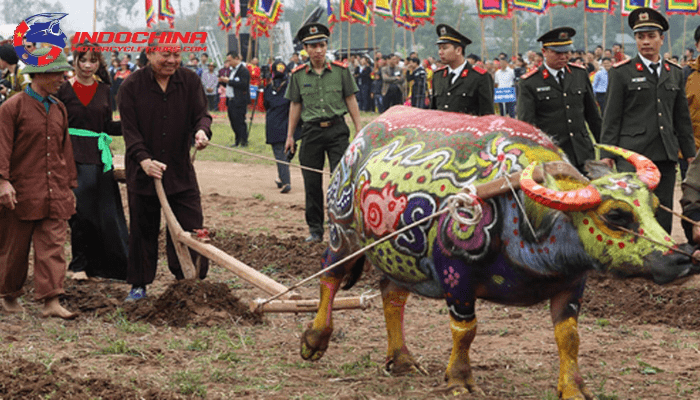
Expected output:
(321, 93)
(558, 98)
(458, 86)
(647, 111)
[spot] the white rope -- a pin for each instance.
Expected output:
(466, 200)
(517, 198)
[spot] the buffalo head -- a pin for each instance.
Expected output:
(614, 216)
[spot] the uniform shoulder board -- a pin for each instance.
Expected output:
(479, 70)
(440, 69)
(340, 64)
(576, 66)
(623, 62)
(674, 64)
(529, 73)
(299, 67)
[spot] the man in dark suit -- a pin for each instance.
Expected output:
(647, 111)
(363, 78)
(558, 98)
(458, 86)
(237, 97)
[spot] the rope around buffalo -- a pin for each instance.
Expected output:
(469, 201)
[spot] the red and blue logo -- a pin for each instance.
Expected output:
(40, 28)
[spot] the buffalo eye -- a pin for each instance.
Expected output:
(619, 217)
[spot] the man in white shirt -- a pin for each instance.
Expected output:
(505, 78)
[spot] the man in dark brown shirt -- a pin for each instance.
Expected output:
(37, 173)
(163, 112)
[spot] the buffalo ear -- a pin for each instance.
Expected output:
(596, 169)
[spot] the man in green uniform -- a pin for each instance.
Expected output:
(321, 93)
(558, 98)
(647, 111)
(458, 86)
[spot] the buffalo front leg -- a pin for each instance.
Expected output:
(459, 372)
(398, 359)
(565, 307)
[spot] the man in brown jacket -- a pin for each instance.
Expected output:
(37, 173)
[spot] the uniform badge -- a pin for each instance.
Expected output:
(443, 31)
(639, 79)
(640, 67)
(563, 35)
(668, 68)
(313, 30)
(544, 89)
(464, 73)
(644, 16)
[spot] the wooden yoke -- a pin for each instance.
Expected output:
(500, 186)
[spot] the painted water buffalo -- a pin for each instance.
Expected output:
(530, 244)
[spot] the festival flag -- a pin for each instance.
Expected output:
(360, 10)
(536, 6)
(629, 5)
(167, 12)
(383, 8)
(493, 8)
(421, 9)
(681, 7)
(331, 16)
(599, 6)
(267, 10)
(401, 17)
(150, 14)
(565, 3)
(224, 15)
(237, 15)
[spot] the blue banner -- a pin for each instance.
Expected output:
(504, 95)
(253, 92)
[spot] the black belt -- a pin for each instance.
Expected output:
(328, 122)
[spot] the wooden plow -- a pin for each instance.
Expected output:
(288, 302)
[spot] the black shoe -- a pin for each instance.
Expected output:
(313, 238)
(286, 189)
(279, 183)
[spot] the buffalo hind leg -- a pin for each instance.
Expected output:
(459, 372)
(564, 310)
(398, 359)
(314, 341)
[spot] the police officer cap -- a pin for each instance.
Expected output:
(448, 34)
(697, 34)
(313, 33)
(558, 39)
(646, 19)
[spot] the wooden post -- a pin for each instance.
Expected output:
(374, 38)
(366, 36)
(340, 37)
(413, 40)
(94, 16)
(349, 39)
(393, 40)
(461, 12)
(605, 26)
(405, 43)
(585, 30)
(483, 40)
(514, 27)
(280, 306)
(685, 26)
(250, 47)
